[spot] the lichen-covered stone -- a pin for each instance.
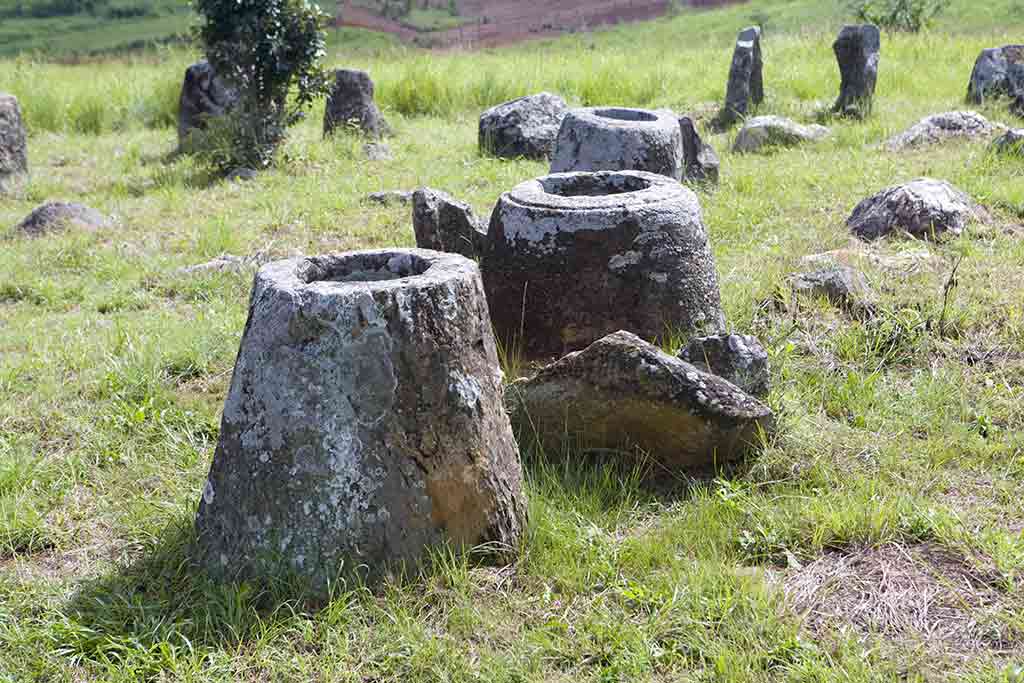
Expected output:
(204, 95)
(746, 81)
(998, 72)
(526, 127)
(700, 162)
(857, 50)
(572, 257)
(13, 140)
(844, 287)
(1010, 144)
(621, 392)
(364, 423)
(351, 105)
(443, 223)
(765, 132)
(939, 127)
(738, 358)
(56, 216)
(619, 139)
(923, 208)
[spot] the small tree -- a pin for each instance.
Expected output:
(269, 52)
(899, 15)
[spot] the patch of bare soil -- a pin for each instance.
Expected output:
(923, 595)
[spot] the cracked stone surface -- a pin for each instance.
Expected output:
(351, 105)
(619, 139)
(13, 140)
(857, 50)
(622, 392)
(764, 132)
(572, 257)
(939, 127)
(526, 127)
(203, 96)
(739, 358)
(746, 81)
(443, 223)
(57, 216)
(923, 208)
(364, 423)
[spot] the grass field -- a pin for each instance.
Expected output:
(878, 537)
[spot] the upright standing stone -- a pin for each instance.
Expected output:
(857, 51)
(700, 163)
(443, 223)
(351, 104)
(13, 141)
(203, 96)
(364, 423)
(998, 72)
(746, 82)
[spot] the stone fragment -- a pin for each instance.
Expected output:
(998, 72)
(443, 223)
(226, 263)
(619, 139)
(700, 162)
(621, 392)
(1011, 144)
(738, 358)
(526, 127)
(389, 197)
(13, 140)
(844, 287)
(572, 257)
(242, 174)
(378, 151)
(56, 216)
(857, 51)
(364, 423)
(351, 105)
(924, 208)
(746, 85)
(763, 132)
(939, 127)
(204, 95)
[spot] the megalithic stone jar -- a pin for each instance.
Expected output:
(573, 257)
(364, 423)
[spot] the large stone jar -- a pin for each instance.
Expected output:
(617, 139)
(573, 257)
(364, 423)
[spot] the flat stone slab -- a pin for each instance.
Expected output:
(57, 216)
(844, 287)
(925, 208)
(765, 132)
(443, 223)
(939, 127)
(621, 392)
(526, 127)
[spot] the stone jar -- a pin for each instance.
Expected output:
(364, 423)
(619, 139)
(572, 257)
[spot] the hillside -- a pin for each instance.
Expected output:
(878, 537)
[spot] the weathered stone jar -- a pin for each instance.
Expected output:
(364, 422)
(573, 257)
(617, 139)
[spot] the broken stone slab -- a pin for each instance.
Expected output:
(57, 216)
(998, 72)
(389, 197)
(764, 132)
(204, 96)
(1010, 144)
(857, 50)
(844, 287)
(925, 208)
(13, 140)
(572, 257)
(700, 162)
(622, 393)
(901, 263)
(939, 127)
(226, 263)
(351, 105)
(442, 223)
(523, 128)
(746, 81)
(619, 139)
(738, 358)
(364, 423)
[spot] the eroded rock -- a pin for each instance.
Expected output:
(617, 139)
(998, 72)
(443, 223)
(364, 423)
(700, 162)
(857, 50)
(1011, 144)
(765, 132)
(572, 257)
(923, 208)
(844, 287)
(939, 127)
(13, 140)
(57, 216)
(389, 197)
(621, 392)
(204, 96)
(738, 358)
(526, 127)
(746, 81)
(351, 105)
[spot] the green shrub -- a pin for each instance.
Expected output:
(900, 15)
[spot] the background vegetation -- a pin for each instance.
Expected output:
(114, 366)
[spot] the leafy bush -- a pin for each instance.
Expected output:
(900, 15)
(264, 49)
